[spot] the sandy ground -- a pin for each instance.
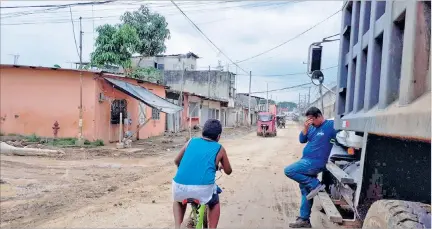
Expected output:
(123, 190)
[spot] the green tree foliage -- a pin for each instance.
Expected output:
(148, 74)
(115, 45)
(141, 31)
(152, 30)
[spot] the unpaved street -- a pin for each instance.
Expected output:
(136, 192)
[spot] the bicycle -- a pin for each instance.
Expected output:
(198, 215)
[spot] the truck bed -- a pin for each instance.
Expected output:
(384, 69)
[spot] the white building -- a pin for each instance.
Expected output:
(174, 62)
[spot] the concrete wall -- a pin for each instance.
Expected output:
(329, 103)
(213, 84)
(32, 99)
(169, 62)
(242, 100)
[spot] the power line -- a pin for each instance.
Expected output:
(280, 89)
(60, 19)
(51, 8)
(57, 5)
(293, 38)
(73, 30)
(188, 6)
(207, 37)
(293, 74)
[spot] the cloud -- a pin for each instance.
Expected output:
(240, 29)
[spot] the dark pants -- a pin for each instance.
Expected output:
(305, 173)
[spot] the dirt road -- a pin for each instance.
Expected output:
(136, 192)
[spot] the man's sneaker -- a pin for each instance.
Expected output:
(300, 223)
(315, 192)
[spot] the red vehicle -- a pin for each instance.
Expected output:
(266, 125)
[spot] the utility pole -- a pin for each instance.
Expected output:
(249, 102)
(81, 138)
(309, 97)
(180, 100)
(208, 95)
(267, 100)
(298, 105)
(322, 99)
(236, 81)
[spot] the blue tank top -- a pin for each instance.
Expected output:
(198, 165)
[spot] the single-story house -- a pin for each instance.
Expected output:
(34, 98)
(197, 109)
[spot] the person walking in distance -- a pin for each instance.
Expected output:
(317, 133)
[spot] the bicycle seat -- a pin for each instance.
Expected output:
(191, 201)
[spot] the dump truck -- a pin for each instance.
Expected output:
(379, 169)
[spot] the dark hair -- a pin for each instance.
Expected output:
(212, 129)
(313, 111)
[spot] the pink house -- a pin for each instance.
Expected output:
(34, 98)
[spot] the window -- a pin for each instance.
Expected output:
(213, 114)
(192, 67)
(160, 66)
(155, 114)
(118, 106)
(193, 109)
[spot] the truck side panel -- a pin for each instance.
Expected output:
(384, 69)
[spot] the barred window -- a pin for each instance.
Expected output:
(155, 114)
(118, 106)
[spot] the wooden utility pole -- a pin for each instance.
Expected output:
(267, 99)
(249, 99)
(81, 137)
(208, 94)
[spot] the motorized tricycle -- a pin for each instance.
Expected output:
(266, 124)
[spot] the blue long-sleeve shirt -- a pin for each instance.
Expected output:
(318, 146)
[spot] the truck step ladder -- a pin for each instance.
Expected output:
(329, 207)
(339, 174)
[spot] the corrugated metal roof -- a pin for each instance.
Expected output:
(145, 96)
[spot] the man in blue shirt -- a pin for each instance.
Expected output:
(317, 133)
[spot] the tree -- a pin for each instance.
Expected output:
(115, 45)
(149, 74)
(152, 30)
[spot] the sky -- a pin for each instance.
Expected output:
(241, 29)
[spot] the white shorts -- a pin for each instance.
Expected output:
(203, 193)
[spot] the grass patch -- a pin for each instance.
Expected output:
(63, 142)
(72, 142)
(33, 138)
(12, 134)
(98, 142)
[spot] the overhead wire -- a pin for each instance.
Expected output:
(58, 5)
(73, 30)
(292, 74)
(57, 20)
(281, 89)
(291, 39)
(199, 30)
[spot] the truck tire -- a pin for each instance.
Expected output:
(398, 214)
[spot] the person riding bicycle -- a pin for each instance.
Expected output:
(197, 164)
